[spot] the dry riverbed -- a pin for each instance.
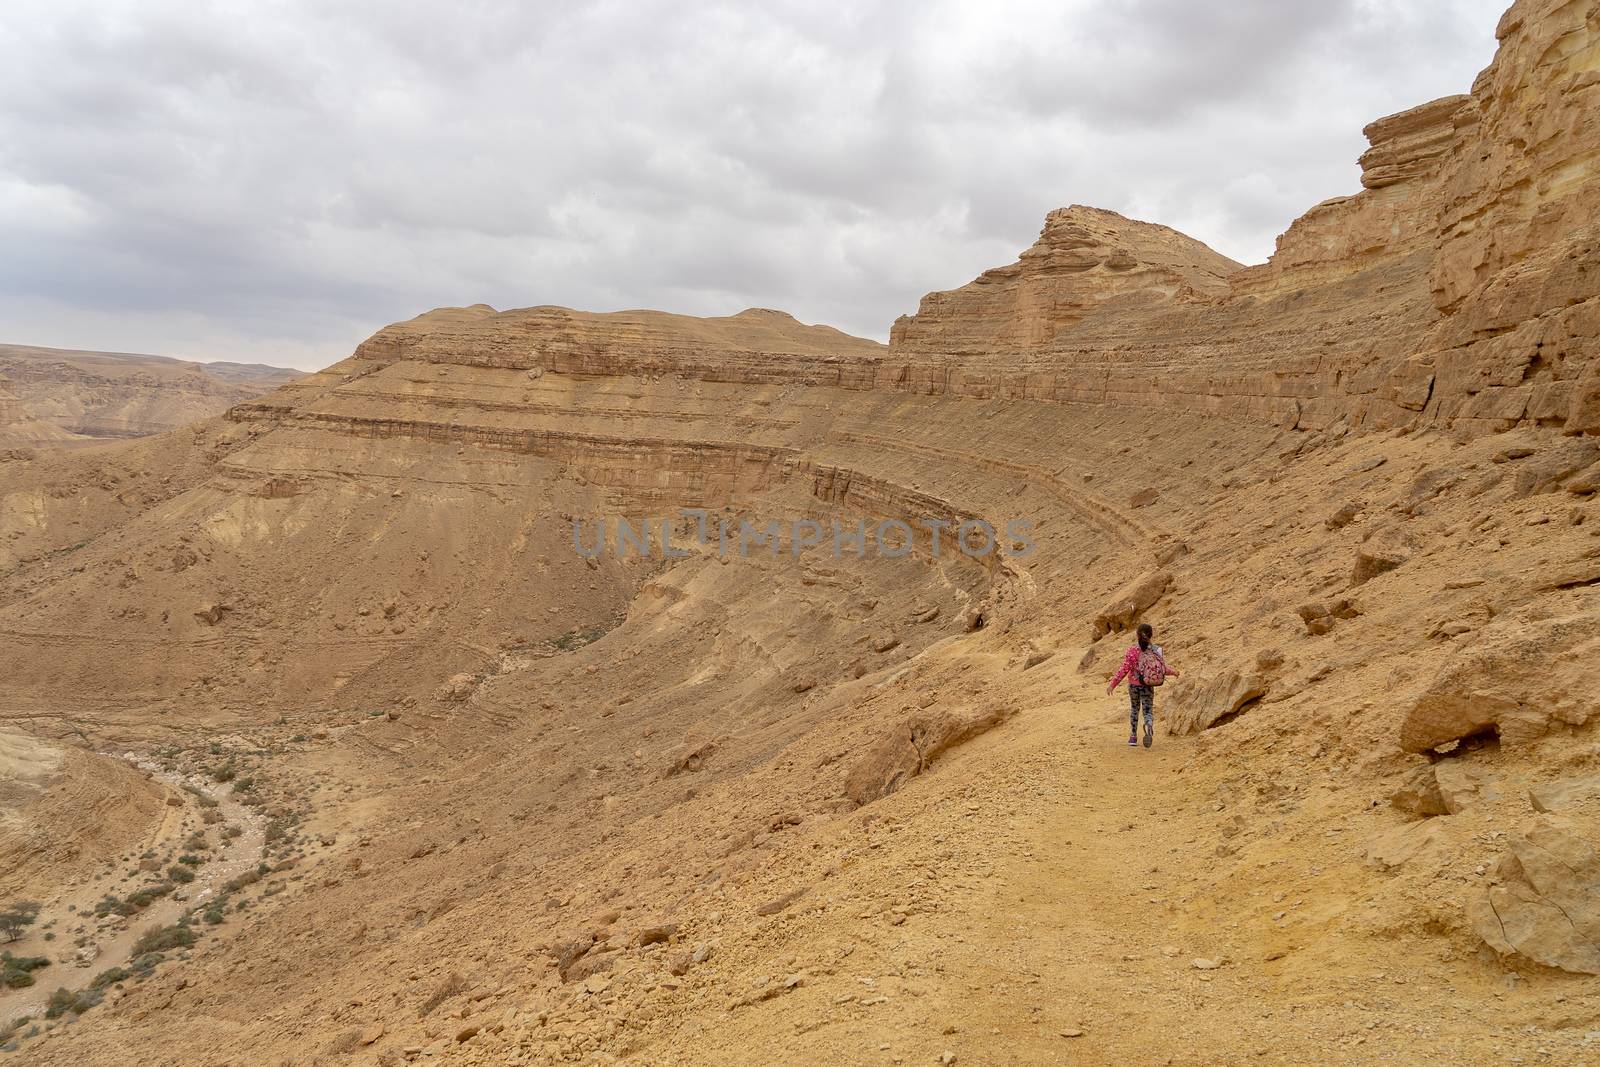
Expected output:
(206, 834)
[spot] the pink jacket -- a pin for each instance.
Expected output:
(1131, 661)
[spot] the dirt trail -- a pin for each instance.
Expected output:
(1088, 942)
(115, 942)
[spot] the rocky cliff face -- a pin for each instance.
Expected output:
(1457, 288)
(1085, 261)
(61, 396)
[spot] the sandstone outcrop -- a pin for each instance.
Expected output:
(1200, 705)
(907, 749)
(1085, 258)
(1128, 603)
(1545, 905)
(1511, 679)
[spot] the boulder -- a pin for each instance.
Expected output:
(1585, 482)
(1343, 517)
(906, 749)
(1384, 551)
(458, 687)
(1200, 706)
(1122, 611)
(688, 758)
(1430, 484)
(212, 613)
(589, 965)
(1546, 472)
(1512, 678)
(657, 935)
(1544, 904)
(1419, 795)
(1144, 498)
(1320, 615)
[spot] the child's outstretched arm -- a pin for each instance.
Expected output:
(1128, 663)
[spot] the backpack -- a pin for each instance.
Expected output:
(1151, 668)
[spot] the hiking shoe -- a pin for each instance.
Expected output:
(1133, 740)
(1149, 738)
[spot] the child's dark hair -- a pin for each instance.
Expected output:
(1145, 634)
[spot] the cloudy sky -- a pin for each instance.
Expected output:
(272, 180)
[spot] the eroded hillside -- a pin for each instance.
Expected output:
(520, 805)
(55, 397)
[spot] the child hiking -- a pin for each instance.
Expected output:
(1145, 668)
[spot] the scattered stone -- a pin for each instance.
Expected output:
(211, 614)
(773, 907)
(1320, 616)
(657, 935)
(1385, 551)
(1419, 795)
(1343, 517)
(1144, 498)
(1206, 964)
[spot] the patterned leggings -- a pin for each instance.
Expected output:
(1141, 696)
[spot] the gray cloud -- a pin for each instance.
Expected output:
(232, 180)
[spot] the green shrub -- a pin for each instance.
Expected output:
(162, 938)
(225, 773)
(148, 895)
(144, 963)
(16, 972)
(110, 976)
(64, 1002)
(179, 873)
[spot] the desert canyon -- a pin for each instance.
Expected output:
(321, 744)
(60, 398)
